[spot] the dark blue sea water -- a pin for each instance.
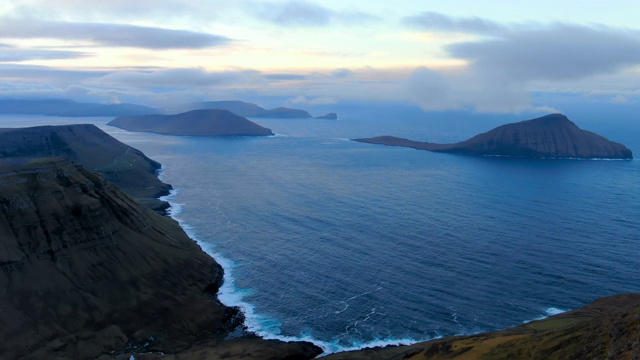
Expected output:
(349, 244)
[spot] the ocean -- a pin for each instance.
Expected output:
(351, 245)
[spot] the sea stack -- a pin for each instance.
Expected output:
(551, 137)
(207, 122)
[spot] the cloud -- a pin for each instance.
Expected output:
(284, 77)
(182, 78)
(504, 67)
(304, 13)
(620, 99)
(17, 55)
(116, 35)
(342, 73)
(433, 21)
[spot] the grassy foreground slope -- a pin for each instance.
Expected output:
(608, 328)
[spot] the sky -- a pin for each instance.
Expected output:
(490, 56)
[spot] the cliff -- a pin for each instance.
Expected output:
(252, 110)
(86, 272)
(608, 328)
(211, 122)
(91, 147)
(551, 136)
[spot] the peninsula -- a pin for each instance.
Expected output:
(207, 122)
(551, 136)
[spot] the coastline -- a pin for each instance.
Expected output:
(256, 324)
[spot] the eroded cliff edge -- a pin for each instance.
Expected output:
(87, 272)
(86, 144)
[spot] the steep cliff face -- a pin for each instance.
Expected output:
(91, 147)
(608, 328)
(551, 136)
(86, 271)
(210, 122)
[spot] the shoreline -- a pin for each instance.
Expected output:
(260, 325)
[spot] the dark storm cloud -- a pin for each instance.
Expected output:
(116, 35)
(433, 21)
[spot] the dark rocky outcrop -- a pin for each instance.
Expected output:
(329, 116)
(87, 272)
(252, 110)
(551, 136)
(209, 122)
(608, 328)
(70, 108)
(91, 147)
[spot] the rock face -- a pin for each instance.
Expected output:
(210, 122)
(551, 136)
(608, 328)
(329, 116)
(91, 147)
(252, 110)
(87, 272)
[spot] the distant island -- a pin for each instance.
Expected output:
(252, 110)
(70, 108)
(92, 148)
(329, 116)
(208, 122)
(551, 136)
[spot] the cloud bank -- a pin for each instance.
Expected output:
(304, 13)
(506, 62)
(105, 34)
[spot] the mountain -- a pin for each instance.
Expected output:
(69, 108)
(608, 328)
(87, 272)
(91, 147)
(252, 110)
(329, 116)
(210, 122)
(551, 136)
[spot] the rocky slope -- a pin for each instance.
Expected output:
(87, 272)
(608, 328)
(252, 110)
(551, 136)
(91, 147)
(210, 122)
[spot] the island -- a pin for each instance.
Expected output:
(551, 137)
(252, 110)
(207, 122)
(94, 149)
(329, 116)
